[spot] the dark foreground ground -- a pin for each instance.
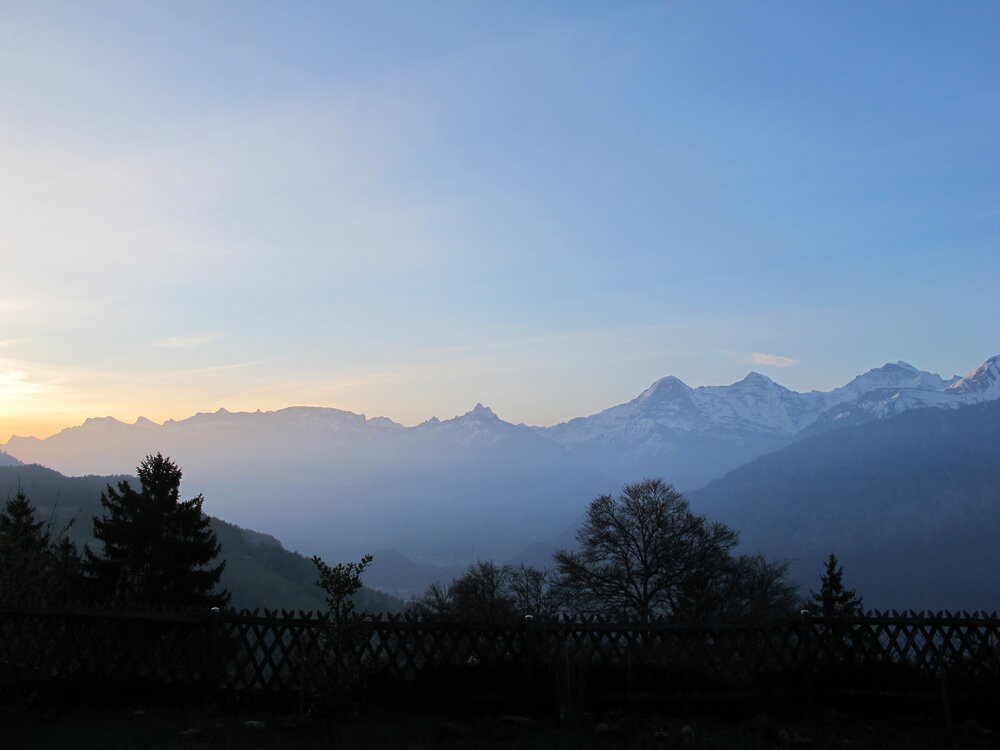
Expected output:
(136, 726)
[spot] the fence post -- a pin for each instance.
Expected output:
(628, 678)
(808, 646)
(528, 652)
(942, 675)
(303, 668)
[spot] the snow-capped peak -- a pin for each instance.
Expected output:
(890, 375)
(983, 381)
(754, 378)
(667, 386)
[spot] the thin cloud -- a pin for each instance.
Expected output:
(18, 387)
(185, 342)
(769, 360)
(14, 381)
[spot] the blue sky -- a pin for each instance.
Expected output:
(403, 208)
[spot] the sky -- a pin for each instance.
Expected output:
(405, 208)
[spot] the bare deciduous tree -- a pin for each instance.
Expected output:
(642, 555)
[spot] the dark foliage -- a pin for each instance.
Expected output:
(38, 566)
(646, 555)
(748, 589)
(259, 572)
(341, 583)
(533, 591)
(488, 593)
(834, 599)
(482, 594)
(157, 549)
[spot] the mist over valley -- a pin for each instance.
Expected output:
(894, 466)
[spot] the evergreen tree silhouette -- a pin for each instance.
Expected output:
(156, 548)
(833, 598)
(23, 546)
(37, 567)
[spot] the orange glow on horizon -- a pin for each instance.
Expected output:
(39, 427)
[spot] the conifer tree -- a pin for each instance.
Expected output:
(37, 567)
(156, 548)
(833, 598)
(23, 544)
(18, 524)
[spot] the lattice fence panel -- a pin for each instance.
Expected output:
(284, 652)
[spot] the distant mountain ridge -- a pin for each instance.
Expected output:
(445, 492)
(338, 484)
(694, 435)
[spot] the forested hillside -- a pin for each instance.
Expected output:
(910, 505)
(259, 572)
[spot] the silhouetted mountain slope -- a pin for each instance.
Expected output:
(259, 571)
(397, 574)
(910, 504)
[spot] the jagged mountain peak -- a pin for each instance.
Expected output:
(476, 418)
(985, 379)
(481, 413)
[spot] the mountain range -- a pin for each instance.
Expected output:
(445, 492)
(694, 435)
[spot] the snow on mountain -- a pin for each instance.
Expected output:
(896, 375)
(754, 404)
(379, 477)
(758, 404)
(893, 389)
(695, 434)
(982, 384)
(479, 429)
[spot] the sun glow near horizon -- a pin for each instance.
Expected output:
(403, 211)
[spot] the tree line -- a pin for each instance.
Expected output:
(642, 556)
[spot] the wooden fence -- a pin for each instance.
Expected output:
(557, 661)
